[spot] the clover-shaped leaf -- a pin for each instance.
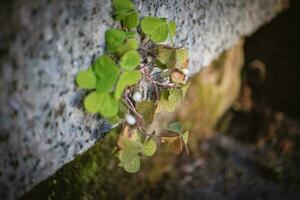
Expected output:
(86, 79)
(107, 72)
(108, 82)
(114, 38)
(169, 99)
(123, 5)
(175, 127)
(127, 78)
(93, 102)
(177, 140)
(130, 60)
(166, 56)
(155, 28)
(147, 110)
(129, 44)
(175, 95)
(172, 57)
(149, 147)
(131, 20)
(164, 103)
(103, 103)
(133, 165)
(109, 106)
(131, 77)
(128, 155)
(130, 141)
(125, 12)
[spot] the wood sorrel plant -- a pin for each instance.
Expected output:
(136, 78)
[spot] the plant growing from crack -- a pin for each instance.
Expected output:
(137, 77)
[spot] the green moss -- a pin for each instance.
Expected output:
(79, 178)
(93, 175)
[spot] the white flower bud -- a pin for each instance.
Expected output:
(137, 97)
(130, 119)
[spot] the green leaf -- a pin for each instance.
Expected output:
(169, 99)
(175, 95)
(121, 15)
(114, 38)
(109, 106)
(93, 102)
(164, 102)
(130, 60)
(155, 28)
(129, 34)
(121, 164)
(175, 127)
(86, 79)
(182, 56)
(126, 155)
(125, 12)
(132, 143)
(149, 147)
(103, 103)
(132, 77)
(107, 72)
(131, 20)
(166, 56)
(127, 78)
(147, 110)
(134, 164)
(120, 88)
(123, 5)
(184, 90)
(129, 44)
(172, 30)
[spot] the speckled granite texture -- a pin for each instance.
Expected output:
(43, 44)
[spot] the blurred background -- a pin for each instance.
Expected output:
(243, 114)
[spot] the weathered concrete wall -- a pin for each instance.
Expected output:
(43, 44)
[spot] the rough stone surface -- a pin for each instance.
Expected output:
(43, 44)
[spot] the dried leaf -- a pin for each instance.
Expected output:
(177, 76)
(147, 110)
(172, 57)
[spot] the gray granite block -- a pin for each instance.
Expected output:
(44, 43)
